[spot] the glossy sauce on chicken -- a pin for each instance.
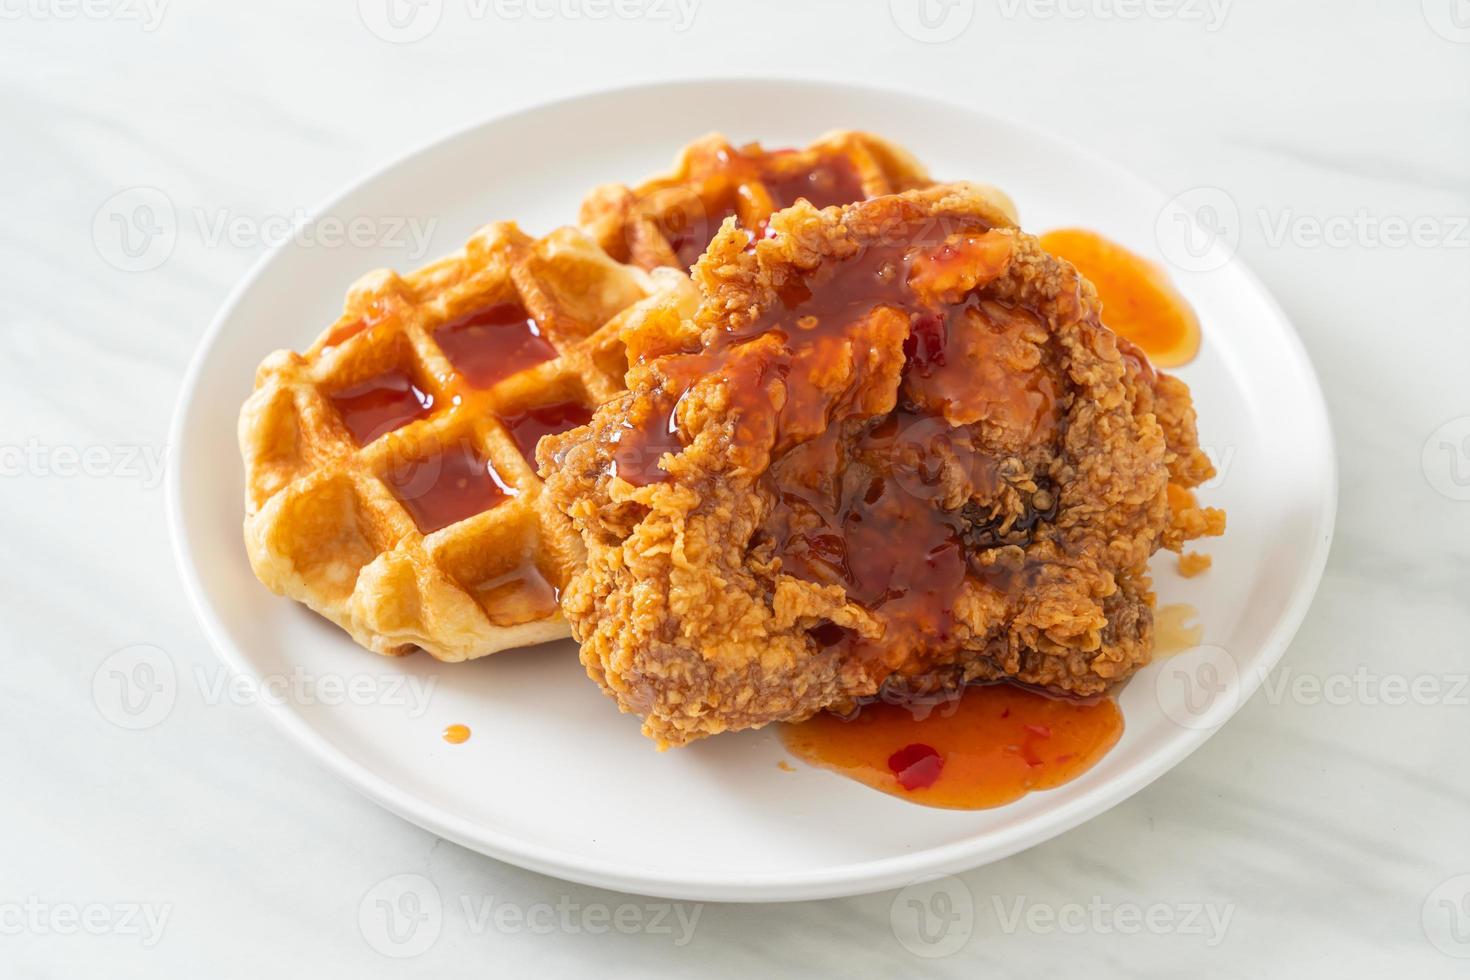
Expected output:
(858, 495)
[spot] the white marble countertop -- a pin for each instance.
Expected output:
(1321, 832)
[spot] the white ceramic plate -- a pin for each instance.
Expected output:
(554, 778)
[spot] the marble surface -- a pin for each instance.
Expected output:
(1322, 832)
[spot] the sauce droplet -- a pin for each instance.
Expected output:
(987, 747)
(456, 734)
(830, 181)
(1139, 302)
(1174, 629)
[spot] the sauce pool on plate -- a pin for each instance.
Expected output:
(1139, 301)
(988, 747)
(1176, 629)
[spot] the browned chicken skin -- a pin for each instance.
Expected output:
(895, 450)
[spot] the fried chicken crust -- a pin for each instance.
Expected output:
(894, 451)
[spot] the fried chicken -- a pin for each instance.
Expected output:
(895, 451)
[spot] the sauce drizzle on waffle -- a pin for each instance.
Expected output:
(449, 487)
(671, 219)
(390, 482)
(379, 405)
(460, 368)
(528, 428)
(492, 344)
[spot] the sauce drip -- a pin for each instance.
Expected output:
(457, 734)
(834, 180)
(448, 487)
(528, 427)
(988, 747)
(346, 331)
(521, 595)
(379, 405)
(641, 444)
(1139, 302)
(493, 343)
(690, 227)
(1174, 629)
(729, 190)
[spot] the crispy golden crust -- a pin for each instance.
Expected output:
(694, 608)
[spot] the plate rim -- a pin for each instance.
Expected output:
(838, 880)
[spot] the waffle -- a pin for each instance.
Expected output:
(669, 220)
(388, 477)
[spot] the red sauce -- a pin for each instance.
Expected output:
(726, 191)
(1139, 302)
(988, 747)
(840, 524)
(448, 487)
(642, 445)
(834, 180)
(528, 427)
(689, 228)
(379, 405)
(850, 291)
(494, 343)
